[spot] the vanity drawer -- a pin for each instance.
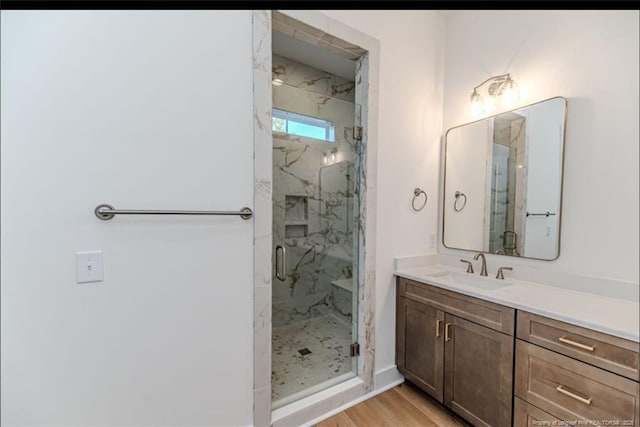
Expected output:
(572, 390)
(489, 314)
(525, 414)
(605, 351)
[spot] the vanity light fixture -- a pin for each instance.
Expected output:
(277, 82)
(500, 88)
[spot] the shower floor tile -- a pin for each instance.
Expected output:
(293, 369)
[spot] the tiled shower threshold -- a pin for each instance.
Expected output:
(311, 390)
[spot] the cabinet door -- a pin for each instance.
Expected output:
(419, 345)
(478, 372)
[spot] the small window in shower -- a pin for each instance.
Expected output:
(301, 125)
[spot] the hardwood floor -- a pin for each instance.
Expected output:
(402, 406)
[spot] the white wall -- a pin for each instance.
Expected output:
(142, 110)
(543, 132)
(410, 125)
(591, 58)
(465, 227)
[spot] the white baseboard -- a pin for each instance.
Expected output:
(387, 376)
(383, 381)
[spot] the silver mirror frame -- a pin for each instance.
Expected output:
(562, 165)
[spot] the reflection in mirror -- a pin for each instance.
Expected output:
(503, 182)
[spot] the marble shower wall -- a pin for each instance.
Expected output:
(262, 248)
(313, 201)
(500, 215)
(305, 77)
(508, 183)
(518, 140)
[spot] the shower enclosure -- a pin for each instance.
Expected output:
(508, 184)
(315, 231)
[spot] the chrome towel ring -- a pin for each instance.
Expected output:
(456, 204)
(416, 193)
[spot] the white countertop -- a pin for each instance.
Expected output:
(609, 315)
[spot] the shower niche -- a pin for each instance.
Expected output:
(296, 215)
(296, 208)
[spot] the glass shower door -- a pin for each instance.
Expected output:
(315, 240)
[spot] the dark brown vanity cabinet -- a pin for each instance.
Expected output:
(578, 375)
(478, 371)
(420, 349)
(458, 349)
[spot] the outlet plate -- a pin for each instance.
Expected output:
(433, 237)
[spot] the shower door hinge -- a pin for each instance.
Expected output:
(355, 349)
(357, 133)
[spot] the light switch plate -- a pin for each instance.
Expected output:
(89, 267)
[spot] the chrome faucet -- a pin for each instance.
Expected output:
(469, 265)
(483, 268)
(500, 274)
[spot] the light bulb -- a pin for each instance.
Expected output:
(329, 156)
(509, 94)
(277, 82)
(477, 106)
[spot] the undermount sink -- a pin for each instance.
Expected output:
(469, 279)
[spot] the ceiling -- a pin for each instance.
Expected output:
(313, 56)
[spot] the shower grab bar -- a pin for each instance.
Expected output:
(106, 212)
(547, 213)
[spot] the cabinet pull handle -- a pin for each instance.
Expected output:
(438, 322)
(577, 344)
(446, 332)
(574, 396)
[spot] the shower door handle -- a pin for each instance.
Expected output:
(281, 263)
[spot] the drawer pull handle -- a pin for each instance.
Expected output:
(446, 332)
(438, 322)
(577, 344)
(572, 395)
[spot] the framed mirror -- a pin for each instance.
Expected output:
(503, 182)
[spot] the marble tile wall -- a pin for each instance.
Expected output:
(261, 54)
(499, 196)
(365, 202)
(315, 197)
(518, 132)
(311, 79)
(508, 183)
(341, 299)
